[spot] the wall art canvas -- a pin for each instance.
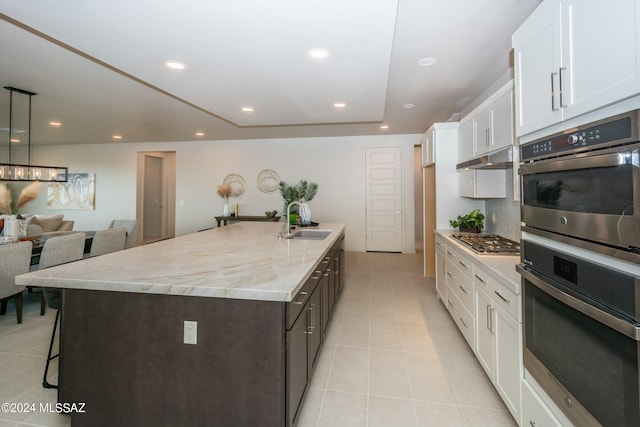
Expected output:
(79, 192)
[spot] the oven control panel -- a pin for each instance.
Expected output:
(592, 136)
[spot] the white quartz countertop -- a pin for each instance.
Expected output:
(245, 260)
(502, 267)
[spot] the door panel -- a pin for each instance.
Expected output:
(384, 199)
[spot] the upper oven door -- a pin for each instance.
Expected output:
(593, 196)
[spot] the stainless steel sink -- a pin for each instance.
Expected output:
(309, 234)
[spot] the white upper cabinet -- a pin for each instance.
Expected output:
(466, 141)
(494, 126)
(574, 56)
(484, 133)
(428, 147)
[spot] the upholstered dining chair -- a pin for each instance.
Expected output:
(109, 240)
(14, 260)
(58, 250)
(132, 230)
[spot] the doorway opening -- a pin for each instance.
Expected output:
(156, 195)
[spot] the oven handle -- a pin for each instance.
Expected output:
(605, 318)
(628, 156)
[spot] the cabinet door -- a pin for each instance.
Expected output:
(296, 365)
(536, 46)
(534, 412)
(314, 329)
(508, 362)
(467, 183)
(502, 122)
(483, 132)
(601, 53)
(428, 147)
(485, 340)
(465, 141)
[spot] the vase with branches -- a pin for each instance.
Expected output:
(9, 205)
(224, 191)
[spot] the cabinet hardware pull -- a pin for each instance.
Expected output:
(501, 297)
(532, 423)
(489, 318)
(449, 253)
(553, 94)
(450, 302)
(302, 294)
(493, 331)
(464, 323)
(487, 137)
(315, 278)
(561, 87)
(463, 289)
(449, 274)
(479, 278)
(462, 264)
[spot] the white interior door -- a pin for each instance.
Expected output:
(383, 199)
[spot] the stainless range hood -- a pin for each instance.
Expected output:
(501, 159)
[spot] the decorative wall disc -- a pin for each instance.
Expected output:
(268, 181)
(237, 184)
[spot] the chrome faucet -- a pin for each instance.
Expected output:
(287, 227)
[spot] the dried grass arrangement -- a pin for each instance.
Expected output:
(8, 206)
(224, 191)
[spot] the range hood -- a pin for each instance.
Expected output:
(501, 159)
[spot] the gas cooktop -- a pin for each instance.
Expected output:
(488, 244)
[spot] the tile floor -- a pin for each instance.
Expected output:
(392, 357)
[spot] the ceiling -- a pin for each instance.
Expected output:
(98, 67)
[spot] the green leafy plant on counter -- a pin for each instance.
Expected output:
(303, 191)
(473, 221)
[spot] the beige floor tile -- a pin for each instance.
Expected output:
(382, 308)
(310, 410)
(355, 331)
(388, 374)
(428, 379)
(343, 410)
(323, 366)
(385, 412)
(357, 306)
(488, 417)
(416, 337)
(470, 383)
(385, 334)
(350, 370)
(431, 414)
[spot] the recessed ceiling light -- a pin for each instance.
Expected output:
(247, 109)
(425, 62)
(318, 53)
(339, 105)
(199, 133)
(408, 106)
(117, 136)
(55, 124)
(174, 65)
(384, 127)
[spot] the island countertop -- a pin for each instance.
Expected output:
(241, 261)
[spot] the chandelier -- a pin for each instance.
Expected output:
(20, 172)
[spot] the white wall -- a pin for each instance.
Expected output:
(336, 164)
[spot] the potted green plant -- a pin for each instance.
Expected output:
(303, 191)
(472, 222)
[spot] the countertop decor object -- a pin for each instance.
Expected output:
(472, 222)
(303, 191)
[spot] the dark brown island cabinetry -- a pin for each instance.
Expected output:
(123, 354)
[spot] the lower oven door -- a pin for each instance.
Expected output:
(593, 196)
(586, 359)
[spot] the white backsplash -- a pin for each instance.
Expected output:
(502, 216)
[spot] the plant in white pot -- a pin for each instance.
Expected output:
(302, 192)
(472, 222)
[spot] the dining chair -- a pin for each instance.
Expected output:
(14, 260)
(58, 250)
(132, 230)
(109, 240)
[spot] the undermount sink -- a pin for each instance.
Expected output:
(309, 234)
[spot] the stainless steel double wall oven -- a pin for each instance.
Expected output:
(580, 269)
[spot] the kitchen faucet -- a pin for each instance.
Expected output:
(303, 211)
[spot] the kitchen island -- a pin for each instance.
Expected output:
(261, 305)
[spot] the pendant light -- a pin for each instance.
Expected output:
(19, 172)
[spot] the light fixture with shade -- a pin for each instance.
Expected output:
(27, 172)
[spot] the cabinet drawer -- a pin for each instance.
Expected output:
(534, 411)
(504, 297)
(461, 316)
(298, 302)
(460, 261)
(460, 284)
